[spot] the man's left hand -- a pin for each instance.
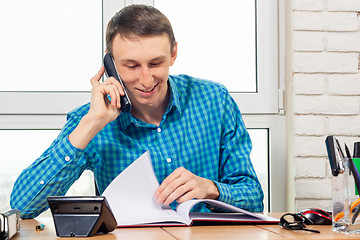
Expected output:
(182, 185)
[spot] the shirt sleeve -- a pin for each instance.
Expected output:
(51, 174)
(238, 184)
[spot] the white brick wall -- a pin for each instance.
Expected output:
(310, 5)
(325, 62)
(343, 42)
(309, 125)
(310, 84)
(326, 91)
(343, 84)
(308, 41)
(325, 104)
(343, 5)
(325, 21)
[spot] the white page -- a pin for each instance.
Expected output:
(230, 217)
(183, 209)
(131, 195)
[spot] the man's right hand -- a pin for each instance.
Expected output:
(102, 110)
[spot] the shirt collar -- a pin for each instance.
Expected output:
(125, 118)
(174, 96)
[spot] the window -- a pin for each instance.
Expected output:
(232, 42)
(19, 151)
(260, 159)
(47, 71)
(211, 48)
(43, 50)
(45, 59)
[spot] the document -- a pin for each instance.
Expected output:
(131, 198)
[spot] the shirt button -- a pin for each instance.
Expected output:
(42, 182)
(158, 130)
(168, 160)
(67, 158)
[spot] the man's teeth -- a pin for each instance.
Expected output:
(147, 90)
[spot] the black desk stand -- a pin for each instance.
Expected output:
(81, 216)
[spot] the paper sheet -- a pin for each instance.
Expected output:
(131, 195)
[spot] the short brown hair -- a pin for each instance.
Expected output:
(138, 20)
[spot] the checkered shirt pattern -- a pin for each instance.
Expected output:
(202, 130)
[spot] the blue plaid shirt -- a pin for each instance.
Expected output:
(202, 130)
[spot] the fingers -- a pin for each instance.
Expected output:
(159, 194)
(110, 86)
(181, 194)
(114, 89)
(95, 80)
(181, 185)
(114, 94)
(172, 192)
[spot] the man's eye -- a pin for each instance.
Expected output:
(132, 66)
(155, 64)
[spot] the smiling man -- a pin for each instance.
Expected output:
(197, 139)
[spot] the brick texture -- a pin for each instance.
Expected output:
(309, 125)
(310, 84)
(344, 42)
(325, 21)
(309, 5)
(325, 62)
(308, 41)
(326, 91)
(343, 5)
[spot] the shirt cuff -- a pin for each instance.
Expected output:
(225, 192)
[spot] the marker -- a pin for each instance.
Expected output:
(353, 169)
(356, 178)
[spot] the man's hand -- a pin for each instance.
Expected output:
(183, 185)
(102, 111)
(100, 106)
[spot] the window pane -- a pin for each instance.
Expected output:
(216, 40)
(49, 45)
(20, 148)
(259, 158)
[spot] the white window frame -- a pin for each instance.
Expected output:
(47, 110)
(264, 101)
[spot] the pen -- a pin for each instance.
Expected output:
(39, 227)
(333, 154)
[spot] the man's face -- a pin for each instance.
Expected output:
(143, 64)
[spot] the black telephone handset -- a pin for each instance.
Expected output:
(111, 71)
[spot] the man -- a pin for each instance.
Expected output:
(193, 128)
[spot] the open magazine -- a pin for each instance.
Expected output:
(131, 198)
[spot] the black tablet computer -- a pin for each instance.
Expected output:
(81, 216)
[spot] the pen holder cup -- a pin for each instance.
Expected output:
(344, 200)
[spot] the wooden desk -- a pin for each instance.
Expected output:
(325, 231)
(27, 231)
(257, 232)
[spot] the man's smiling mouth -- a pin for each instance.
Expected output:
(148, 91)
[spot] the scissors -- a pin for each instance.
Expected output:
(353, 205)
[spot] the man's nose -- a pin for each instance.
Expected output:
(146, 78)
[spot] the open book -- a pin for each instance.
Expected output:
(131, 198)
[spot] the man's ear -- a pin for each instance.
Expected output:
(173, 54)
